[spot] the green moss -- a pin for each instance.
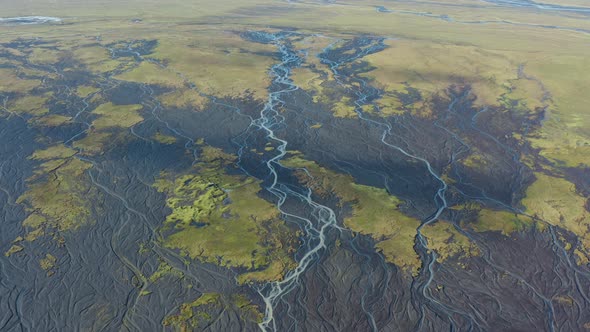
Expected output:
(210, 154)
(232, 241)
(247, 310)
(48, 263)
(34, 234)
(581, 257)
(164, 269)
(192, 314)
(30, 104)
(501, 221)
(95, 58)
(220, 219)
(86, 90)
(151, 73)
(183, 98)
(389, 105)
(13, 250)
(564, 300)
(556, 201)
(196, 314)
(10, 82)
(34, 221)
(564, 136)
(117, 116)
(227, 64)
(374, 212)
(344, 108)
(447, 242)
(273, 272)
(305, 78)
(207, 298)
(41, 55)
(94, 142)
(164, 139)
(59, 151)
(51, 120)
(59, 195)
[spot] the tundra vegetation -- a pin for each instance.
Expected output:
(111, 77)
(504, 68)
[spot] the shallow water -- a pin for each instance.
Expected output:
(28, 20)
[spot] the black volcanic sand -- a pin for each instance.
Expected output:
(514, 285)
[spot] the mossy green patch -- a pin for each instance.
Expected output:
(556, 201)
(311, 81)
(432, 67)
(86, 90)
(246, 308)
(220, 219)
(48, 264)
(377, 213)
(164, 139)
(59, 194)
(183, 98)
(60, 197)
(210, 155)
(581, 257)
(34, 234)
(59, 151)
(564, 300)
(374, 212)
(191, 315)
(13, 250)
(197, 314)
(11, 82)
(564, 137)
(501, 221)
(447, 242)
(164, 269)
(51, 120)
(30, 104)
(95, 58)
(111, 115)
(41, 55)
(389, 105)
(94, 142)
(226, 64)
(34, 221)
(344, 108)
(151, 73)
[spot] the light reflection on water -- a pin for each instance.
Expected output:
(29, 20)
